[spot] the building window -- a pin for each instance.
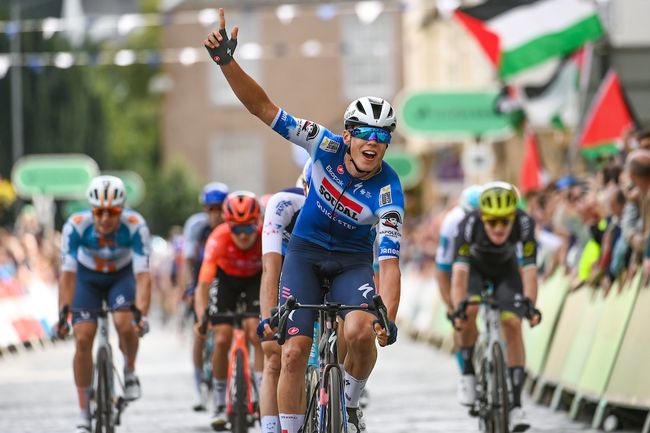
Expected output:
(369, 64)
(220, 92)
(238, 160)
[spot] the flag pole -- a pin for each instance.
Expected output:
(582, 99)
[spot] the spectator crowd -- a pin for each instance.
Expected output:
(596, 226)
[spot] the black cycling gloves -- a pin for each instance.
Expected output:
(222, 55)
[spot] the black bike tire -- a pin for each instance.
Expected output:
(311, 392)
(334, 410)
(500, 399)
(104, 409)
(486, 423)
(238, 418)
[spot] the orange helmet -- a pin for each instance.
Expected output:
(241, 207)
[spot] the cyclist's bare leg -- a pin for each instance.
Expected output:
(269, 388)
(515, 354)
(250, 327)
(360, 341)
(128, 337)
(291, 385)
(342, 345)
(84, 333)
(361, 354)
(197, 353)
(222, 342)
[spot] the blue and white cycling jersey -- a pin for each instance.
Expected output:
(279, 220)
(448, 233)
(341, 212)
(80, 243)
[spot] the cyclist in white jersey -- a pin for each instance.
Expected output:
(354, 197)
(280, 217)
(105, 255)
(469, 200)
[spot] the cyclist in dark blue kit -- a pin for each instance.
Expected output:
(354, 197)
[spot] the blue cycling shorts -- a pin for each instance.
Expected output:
(118, 288)
(354, 285)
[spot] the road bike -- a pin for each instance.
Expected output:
(241, 390)
(492, 404)
(325, 384)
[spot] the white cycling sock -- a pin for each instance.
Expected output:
(290, 422)
(198, 379)
(219, 386)
(270, 424)
(353, 389)
(258, 383)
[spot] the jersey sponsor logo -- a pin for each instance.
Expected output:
(328, 145)
(334, 176)
(339, 169)
(282, 206)
(391, 220)
(385, 196)
(310, 128)
(389, 251)
(341, 203)
(293, 330)
(358, 188)
(334, 218)
(529, 248)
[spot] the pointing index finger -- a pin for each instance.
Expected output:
(222, 19)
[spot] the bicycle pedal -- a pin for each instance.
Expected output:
(473, 412)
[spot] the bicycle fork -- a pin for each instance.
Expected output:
(238, 343)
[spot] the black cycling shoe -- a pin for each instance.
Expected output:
(356, 423)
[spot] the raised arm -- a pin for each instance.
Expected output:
(251, 94)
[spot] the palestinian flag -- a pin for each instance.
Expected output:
(531, 176)
(607, 120)
(554, 102)
(519, 34)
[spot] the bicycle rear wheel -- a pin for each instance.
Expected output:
(334, 410)
(311, 392)
(238, 388)
(103, 398)
(499, 393)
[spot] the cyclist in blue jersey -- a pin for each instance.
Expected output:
(354, 197)
(196, 230)
(105, 255)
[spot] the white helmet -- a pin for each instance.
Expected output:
(106, 191)
(470, 197)
(370, 111)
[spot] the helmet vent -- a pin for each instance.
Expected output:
(376, 110)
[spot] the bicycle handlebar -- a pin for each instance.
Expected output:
(460, 312)
(291, 304)
(382, 313)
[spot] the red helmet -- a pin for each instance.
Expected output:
(241, 207)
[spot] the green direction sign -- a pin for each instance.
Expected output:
(61, 176)
(408, 167)
(135, 187)
(431, 114)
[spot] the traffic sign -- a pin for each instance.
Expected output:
(407, 166)
(135, 187)
(61, 176)
(443, 114)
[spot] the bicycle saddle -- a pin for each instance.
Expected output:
(328, 268)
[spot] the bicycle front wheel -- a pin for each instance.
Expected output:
(334, 409)
(311, 392)
(500, 404)
(238, 388)
(103, 397)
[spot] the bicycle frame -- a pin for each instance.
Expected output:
(327, 355)
(105, 422)
(239, 344)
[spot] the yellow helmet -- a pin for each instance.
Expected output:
(498, 199)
